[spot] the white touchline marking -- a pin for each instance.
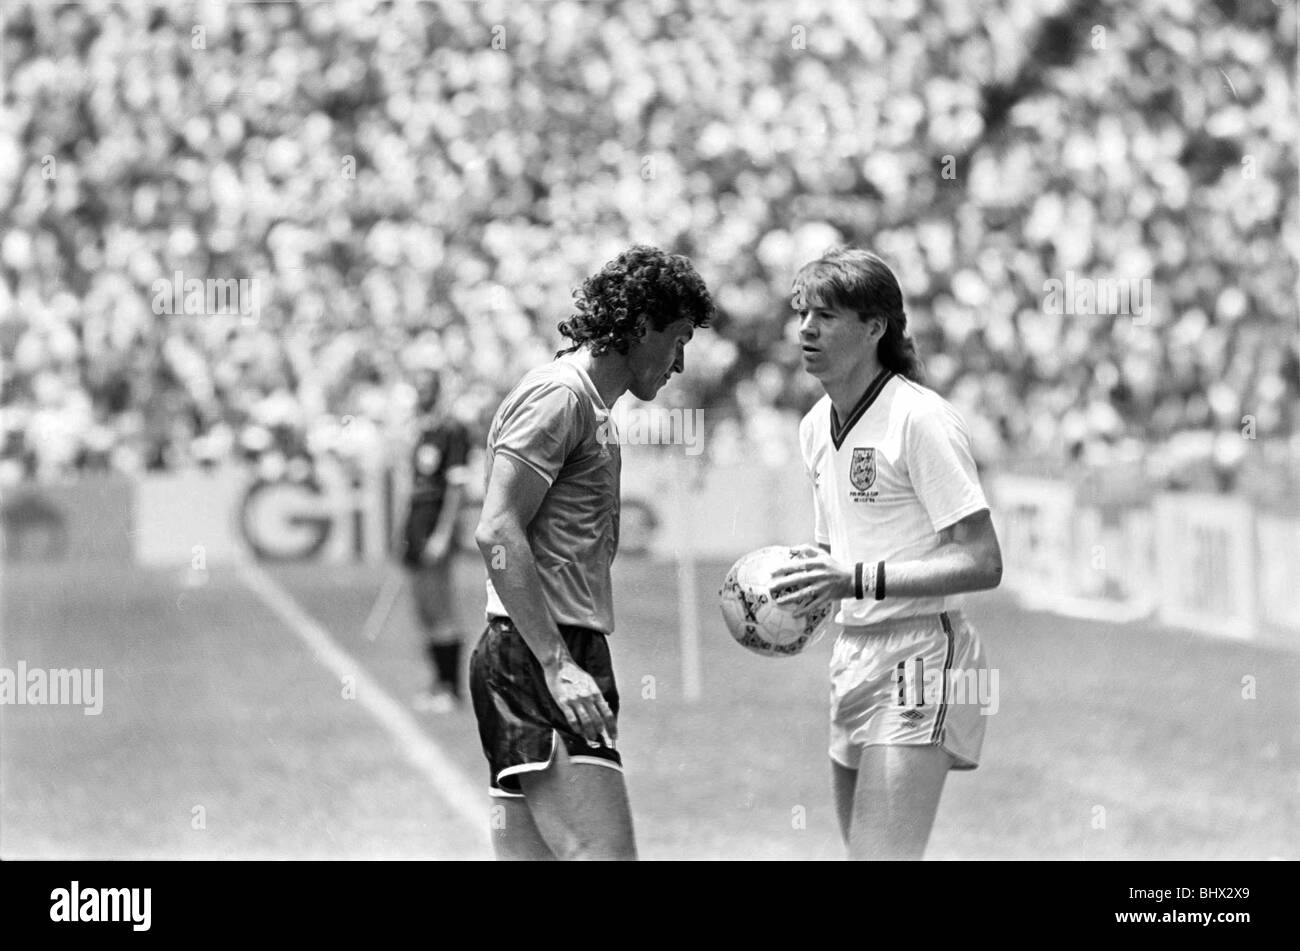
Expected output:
(385, 601)
(464, 796)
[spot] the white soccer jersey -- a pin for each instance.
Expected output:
(886, 481)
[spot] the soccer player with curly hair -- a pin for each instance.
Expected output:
(540, 677)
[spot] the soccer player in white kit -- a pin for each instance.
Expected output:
(901, 524)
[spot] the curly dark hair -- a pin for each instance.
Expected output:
(642, 286)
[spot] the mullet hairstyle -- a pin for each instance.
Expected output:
(642, 287)
(860, 281)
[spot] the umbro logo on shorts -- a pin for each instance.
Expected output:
(912, 715)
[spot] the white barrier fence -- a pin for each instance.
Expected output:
(1205, 555)
(672, 503)
(336, 515)
(1210, 563)
(1278, 539)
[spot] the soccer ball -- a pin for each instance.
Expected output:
(750, 611)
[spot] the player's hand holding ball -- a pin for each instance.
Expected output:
(815, 582)
(766, 613)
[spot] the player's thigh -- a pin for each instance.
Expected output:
(581, 809)
(515, 837)
(844, 782)
(896, 799)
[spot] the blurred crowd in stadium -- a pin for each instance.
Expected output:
(424, 184)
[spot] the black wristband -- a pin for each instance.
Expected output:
(880, 581)
(857, 582)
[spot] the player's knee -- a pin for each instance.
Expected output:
(589, 847)
(509, 845)
(879, 846)
(593, 842)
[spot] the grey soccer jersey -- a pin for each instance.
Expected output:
(552, 423)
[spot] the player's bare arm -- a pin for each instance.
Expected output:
(514, 493)
(968, 558)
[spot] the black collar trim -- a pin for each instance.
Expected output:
(839, 432)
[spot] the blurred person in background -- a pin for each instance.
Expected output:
(438, 474)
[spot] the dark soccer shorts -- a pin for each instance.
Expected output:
(519, 722)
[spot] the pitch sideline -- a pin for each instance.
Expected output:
(463, 796)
